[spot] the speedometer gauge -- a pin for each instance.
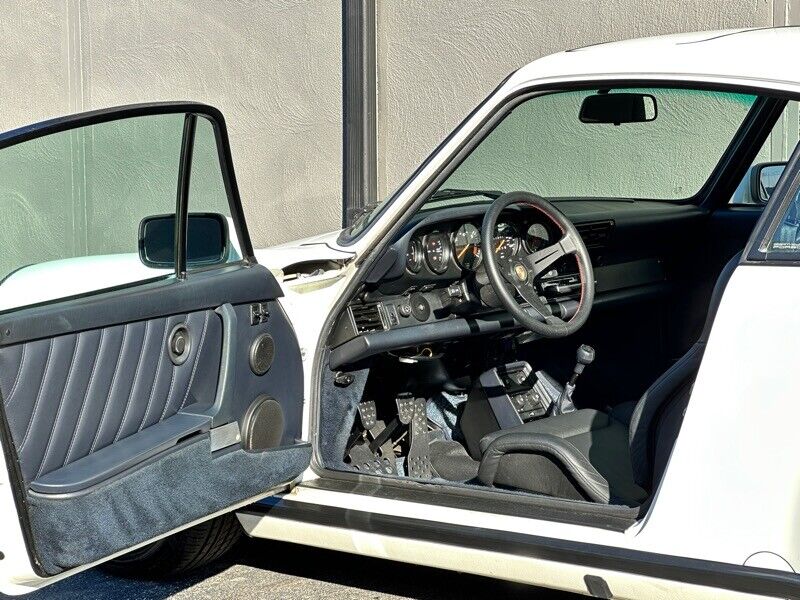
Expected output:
(437, 252)
(467, 246)
(414, 255)
(506, 241)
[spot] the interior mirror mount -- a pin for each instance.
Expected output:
(763, 178)
(618, 108)
(207, 240)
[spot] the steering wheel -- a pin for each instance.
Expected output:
(521, 272)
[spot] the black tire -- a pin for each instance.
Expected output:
(180, 553)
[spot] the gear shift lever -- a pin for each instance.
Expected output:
(564, 404)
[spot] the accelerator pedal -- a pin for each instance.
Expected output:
(419, 459)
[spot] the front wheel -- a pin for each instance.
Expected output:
(182, 552)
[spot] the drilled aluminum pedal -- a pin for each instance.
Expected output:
(405, 408)
(368, 414)
(419, 460)
(365, 460)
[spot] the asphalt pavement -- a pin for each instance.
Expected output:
(265, 570)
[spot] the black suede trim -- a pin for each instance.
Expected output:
(337, 413)
(181, 487)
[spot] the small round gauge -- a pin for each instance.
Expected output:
(467, 246)
(414, 255)
(537, 237)
(506, 241)
(437, 251)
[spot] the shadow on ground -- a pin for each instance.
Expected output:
(267, 570)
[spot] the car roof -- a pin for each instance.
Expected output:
(759, 55)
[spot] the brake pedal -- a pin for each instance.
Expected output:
(406, 405)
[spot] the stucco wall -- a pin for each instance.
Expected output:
(272, 66)
(438, 59)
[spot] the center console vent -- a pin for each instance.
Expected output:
(596, 234)
(367, 317)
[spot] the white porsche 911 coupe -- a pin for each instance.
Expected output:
(561, 353)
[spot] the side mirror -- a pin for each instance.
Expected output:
(763, 178)
(619, 108)
(207, 240)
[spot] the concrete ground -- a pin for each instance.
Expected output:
(264, 570)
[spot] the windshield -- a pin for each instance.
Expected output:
(620, 143)
(545, 146)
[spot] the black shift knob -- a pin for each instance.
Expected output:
(585, 355)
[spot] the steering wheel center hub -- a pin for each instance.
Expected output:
(521, 272)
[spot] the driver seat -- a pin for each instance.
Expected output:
(616, 457)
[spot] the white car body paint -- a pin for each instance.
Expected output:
(71, 277)
(730, 489)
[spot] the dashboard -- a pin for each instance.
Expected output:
(445, 246)
(430, 284)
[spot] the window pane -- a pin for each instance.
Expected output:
(543, 147)
(72, 204)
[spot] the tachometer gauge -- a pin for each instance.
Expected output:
(506, 241)
(467, 246)
(414, 255)
(437, 252)
(537, 237)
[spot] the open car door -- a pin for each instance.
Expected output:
(149, 379)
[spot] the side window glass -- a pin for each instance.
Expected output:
(73, 203)
(760, 180)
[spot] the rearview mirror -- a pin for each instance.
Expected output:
(207, 240)
(763, 178)
(619, 108)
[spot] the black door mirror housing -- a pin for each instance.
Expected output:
(207, 238)
(626, 107)
(763, 177)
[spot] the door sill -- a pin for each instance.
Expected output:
(501, 502)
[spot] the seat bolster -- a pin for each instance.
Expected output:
(645, 415)
(562, 426)
(591, 482)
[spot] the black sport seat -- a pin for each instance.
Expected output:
(616, 457)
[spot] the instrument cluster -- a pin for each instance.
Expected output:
(458, 245)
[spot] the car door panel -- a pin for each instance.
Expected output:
(75, 394)
(112, 437)
(114, 441)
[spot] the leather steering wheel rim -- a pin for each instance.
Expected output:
(520, 273)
